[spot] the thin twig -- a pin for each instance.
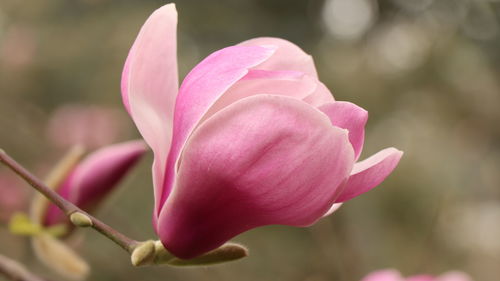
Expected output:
(16, 271)
(67, 207)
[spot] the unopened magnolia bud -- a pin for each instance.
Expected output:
(62, 169)
(56, 176)
(143, 254)
(80, 219)
(225, 253)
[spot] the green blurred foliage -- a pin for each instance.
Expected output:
(427, 71)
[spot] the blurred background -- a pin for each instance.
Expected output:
(427, 71)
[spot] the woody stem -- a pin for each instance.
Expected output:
(67, 207)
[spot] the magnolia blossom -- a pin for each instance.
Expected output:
(394, 275)
(96, 176)
(250, 138)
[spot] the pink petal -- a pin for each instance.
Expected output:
(150, 84)
(348, 116)
(288, 56)
(125, 79)
(254, 74)
(199, 91)
(262, 160)
(370, 172)
(384, 275)
(95, 177)
(285, 83)
(320, 96)
(150, 79)
(332, 209)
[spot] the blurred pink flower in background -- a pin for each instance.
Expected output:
(13, 195)
(91, 126)
(251, 138)
(88, 184)
(17, 47)
(394, 275)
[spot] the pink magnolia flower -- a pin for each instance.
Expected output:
(94, 178)
(394, 275)
(250, 138)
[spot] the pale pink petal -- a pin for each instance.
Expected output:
(422, 277)
(285, 83)
(150, 84)
(454, 276)
(288, 56)
(384, 275)
(348, 116)
(152, 81)
(201, 88)
(262, 160)
(370, 172)
(125, 79)
(95, 177)
(320, 96)
(273, 74)
(332, 209)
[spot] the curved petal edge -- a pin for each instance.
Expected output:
(348, 116)
(370, 172)
(288, 56)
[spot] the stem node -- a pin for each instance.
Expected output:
(80, 219)
(143, 254)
